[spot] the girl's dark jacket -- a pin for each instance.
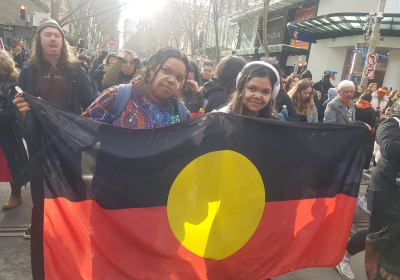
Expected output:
(10, 138)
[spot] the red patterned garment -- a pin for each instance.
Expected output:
(5, 173)
(140, 112)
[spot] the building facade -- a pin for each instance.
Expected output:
(338, 27)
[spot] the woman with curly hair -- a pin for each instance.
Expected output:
(13, 158)
(303, 100)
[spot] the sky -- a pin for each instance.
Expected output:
(137, 9)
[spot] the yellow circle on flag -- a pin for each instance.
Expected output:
(216, 203)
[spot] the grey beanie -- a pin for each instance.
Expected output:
(48, 22)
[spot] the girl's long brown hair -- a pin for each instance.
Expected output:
(7, 67)
(305, 107)
(67, 60)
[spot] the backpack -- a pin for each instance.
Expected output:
(122, 98)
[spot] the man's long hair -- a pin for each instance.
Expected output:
(67, 60)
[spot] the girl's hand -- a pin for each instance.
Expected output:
(21, 103)
(195, 85)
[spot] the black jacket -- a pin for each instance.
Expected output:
(318, 86)
(367, 116)
(98, 75)
(214, 95)
(80, 94)
(284, 99)
(24, 55)
(18, 60)
(10, 138)
(193, 101)
(385, 191)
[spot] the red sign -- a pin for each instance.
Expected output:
(112, 41)
(305, 14)
(203, 58)
(372, 59)
(1, 44)
(369, 72)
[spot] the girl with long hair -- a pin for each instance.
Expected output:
(303, 100)
(257, 86)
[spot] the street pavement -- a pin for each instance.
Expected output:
(15, 250)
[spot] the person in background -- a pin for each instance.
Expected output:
(217, 91)
(208, 71)
(342, 109)
(383, 195)
(306, 75)
(126, 67)
(291, 81)
(323, 86)
(380, 102)
(51, 66)
(332, 94)
(366, 114)
(373, 87)
(84, 60)
(392, 97)
(24, 53)
(98, 61)
(257, 85)
(17, 58)
(301, 94)
(98, 75)
(283, 98)
(192, 94)
(358, 93)
(13, 157)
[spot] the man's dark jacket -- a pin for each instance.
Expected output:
(80, 94)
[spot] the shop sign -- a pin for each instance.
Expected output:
(6, 27)
(303, 14)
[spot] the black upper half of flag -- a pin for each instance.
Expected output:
(121, 168)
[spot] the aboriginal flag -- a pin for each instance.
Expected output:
(216, 197)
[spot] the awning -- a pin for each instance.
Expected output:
(249, 51)
(283, 48)
(344, 24)
(272, 49)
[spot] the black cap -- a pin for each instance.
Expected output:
(306, 74)
(327, 73)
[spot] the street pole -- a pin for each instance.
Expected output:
(206, 32)
(375, 37)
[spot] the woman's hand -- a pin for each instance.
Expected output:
(21, 103)
(388, 276)
(194, 85)
(122, 54)
(106, 68)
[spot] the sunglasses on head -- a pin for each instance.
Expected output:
(53, 69)
(191, 68)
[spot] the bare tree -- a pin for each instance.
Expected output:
(217, 11)
(265, 19)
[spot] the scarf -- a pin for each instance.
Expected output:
(346, 102)
(363, 104)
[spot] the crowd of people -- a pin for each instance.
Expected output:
(169, 88)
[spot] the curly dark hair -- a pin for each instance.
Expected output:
(157, 60)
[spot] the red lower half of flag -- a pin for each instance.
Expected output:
(81, 240)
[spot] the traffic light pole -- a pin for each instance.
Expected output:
(375, 37)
